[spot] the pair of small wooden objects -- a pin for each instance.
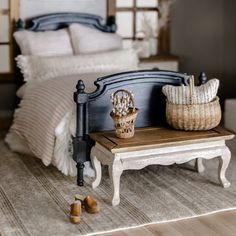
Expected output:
(89, 204)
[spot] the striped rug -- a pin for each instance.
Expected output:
(35, 200)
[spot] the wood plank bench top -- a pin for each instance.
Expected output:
(155, 137)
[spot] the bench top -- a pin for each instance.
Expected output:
(155, 137)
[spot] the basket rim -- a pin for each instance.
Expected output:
(134, 111)
(216, 99)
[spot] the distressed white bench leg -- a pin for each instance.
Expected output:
(223, 165)
(115, 171)
(97, 167)
(199, 165)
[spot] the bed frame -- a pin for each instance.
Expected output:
(93, 109)
(57, 21)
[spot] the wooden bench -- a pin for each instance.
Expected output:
(157, 145)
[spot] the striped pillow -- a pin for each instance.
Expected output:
(181, 94)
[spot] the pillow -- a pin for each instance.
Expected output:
(88, 40)
(48, 43)
(181, 94)
(35, 68)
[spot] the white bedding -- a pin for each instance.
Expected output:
(45, 120)
(62, 153)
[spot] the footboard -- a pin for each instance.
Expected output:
(93, 109)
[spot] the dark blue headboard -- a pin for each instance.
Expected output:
(57, 21)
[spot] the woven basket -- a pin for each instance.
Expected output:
(193, 116)
(125, 124)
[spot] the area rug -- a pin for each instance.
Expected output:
(35, 200)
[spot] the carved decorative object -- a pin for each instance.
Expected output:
(123, 113)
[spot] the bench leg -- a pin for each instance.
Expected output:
(98, 170)
(199, 165)
(223, 165)
(115, 171)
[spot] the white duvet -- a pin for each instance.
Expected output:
(62, 153)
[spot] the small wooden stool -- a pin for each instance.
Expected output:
(160, 146)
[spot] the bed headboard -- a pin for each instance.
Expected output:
(57, 21)
(146, 86)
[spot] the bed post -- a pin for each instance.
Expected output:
(202, 78)
(79, 141)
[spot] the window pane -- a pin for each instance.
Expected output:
(147, 3)
(147, 22)
(4, 4)
(4, 59)
(125, 23)
(124, 3)
(4, 27)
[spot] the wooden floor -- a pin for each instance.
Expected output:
(223, 224)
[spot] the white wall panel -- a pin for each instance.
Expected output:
(31, 8)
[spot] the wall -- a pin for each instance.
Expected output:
(203, 36)
(196, 35)
(7, 99)
(229, 48)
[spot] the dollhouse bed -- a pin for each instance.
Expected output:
(46, 118)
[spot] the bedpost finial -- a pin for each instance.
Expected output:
(80, 86)
(20, 25)
(202, 79)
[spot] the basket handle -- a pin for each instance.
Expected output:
(127, 92)
(192, 90)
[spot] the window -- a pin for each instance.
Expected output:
(7, 10)
(136, 19)
(142, 19)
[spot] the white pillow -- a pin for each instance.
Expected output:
(88, 40)
(48, 43)
(181, 94)
(35, 68)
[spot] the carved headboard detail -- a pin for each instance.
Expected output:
(57, 21)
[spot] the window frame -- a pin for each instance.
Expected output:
(163, 37)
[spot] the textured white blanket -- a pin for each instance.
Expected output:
(42, 109)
